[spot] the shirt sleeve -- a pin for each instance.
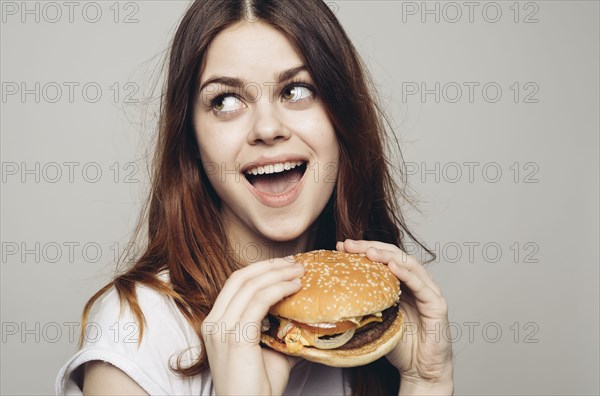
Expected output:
(113, 337)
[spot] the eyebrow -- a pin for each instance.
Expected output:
(236, 82)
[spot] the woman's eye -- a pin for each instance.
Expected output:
(225, 104)
(297, 93)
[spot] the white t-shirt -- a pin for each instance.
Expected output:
(113, 338)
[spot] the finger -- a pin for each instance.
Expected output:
(231, 327)
(427, 300)
(361, 246)
(246, 295)
(273, 358)
(246, 328)
(259, 306)
(237, 279)
(278, 370)
(406, 261)
(421, 273)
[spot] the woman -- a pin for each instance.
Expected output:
(269, 144)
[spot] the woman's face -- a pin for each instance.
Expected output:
(266, 142)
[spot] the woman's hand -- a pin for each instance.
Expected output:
(424, 356)
(232, 329)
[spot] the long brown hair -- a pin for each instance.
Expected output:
(184, 234)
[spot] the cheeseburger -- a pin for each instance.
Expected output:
(346, 313)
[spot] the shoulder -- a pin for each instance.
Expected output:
(157, 309)
(115, 319)
(166, 331)
(113, 334)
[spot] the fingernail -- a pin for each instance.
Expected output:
(297, 281)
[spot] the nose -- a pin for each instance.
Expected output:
(268, 126)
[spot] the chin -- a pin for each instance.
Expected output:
(283, 231)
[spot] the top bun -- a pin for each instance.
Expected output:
(337, 286)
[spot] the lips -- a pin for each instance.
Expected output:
(276, 183)
(276, 179)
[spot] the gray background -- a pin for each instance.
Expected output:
(508, 184)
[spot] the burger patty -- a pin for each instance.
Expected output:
(372, 331)
(363, 336)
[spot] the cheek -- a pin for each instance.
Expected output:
(207, 151)
(209, 159)
(216, 144)
(218, 155)
(318, 132)
(320, 136)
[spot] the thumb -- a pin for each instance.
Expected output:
(278, 367)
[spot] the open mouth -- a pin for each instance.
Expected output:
(276, 179)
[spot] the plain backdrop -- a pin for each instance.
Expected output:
(495, 105)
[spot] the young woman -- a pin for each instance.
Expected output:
(270, 143)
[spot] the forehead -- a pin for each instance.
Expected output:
(250, 49)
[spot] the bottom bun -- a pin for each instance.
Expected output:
(347, 357)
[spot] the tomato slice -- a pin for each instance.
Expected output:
(322, 329)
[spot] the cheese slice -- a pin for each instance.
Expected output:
(368, 320)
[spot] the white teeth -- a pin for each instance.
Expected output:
(273, 168)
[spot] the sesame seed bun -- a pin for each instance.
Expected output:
(339, 285)
(336, 287)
